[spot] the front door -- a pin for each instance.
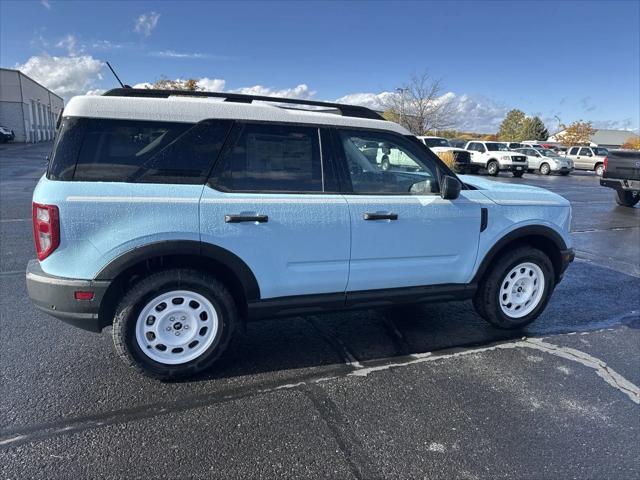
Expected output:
(403, 233)
(272, 200)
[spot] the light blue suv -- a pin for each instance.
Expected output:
(177, 216)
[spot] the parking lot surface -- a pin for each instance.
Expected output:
(427, 391)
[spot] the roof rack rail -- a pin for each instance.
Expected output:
(345, 110)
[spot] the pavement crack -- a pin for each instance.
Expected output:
(605, 372)
(338, 346)
(350, 445)
(399, 341)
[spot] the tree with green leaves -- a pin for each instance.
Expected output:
(511, 126)
(533, 129)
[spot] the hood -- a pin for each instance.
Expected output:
(514, 194)
(447, 149)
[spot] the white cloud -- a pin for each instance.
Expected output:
(66, 76)
(45, 4)
(174, 54)
(299, 91)
(470, 114)
(146, 23)
(212, 84)
(96, 91)
(68, 42)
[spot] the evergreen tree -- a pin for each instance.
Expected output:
(511, 126)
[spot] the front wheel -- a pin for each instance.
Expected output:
(599, 169)
(545, 169)
(627, 198)
(174, 323)
(493, 168)
(516, 289)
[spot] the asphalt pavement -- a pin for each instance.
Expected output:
(426, 391)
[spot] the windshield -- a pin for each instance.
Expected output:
(496, 147)
(436, 142)
(603, 152)
(546, 152)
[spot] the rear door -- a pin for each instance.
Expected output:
(272, 200)
(403, 233)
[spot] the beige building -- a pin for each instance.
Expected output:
(28, 108)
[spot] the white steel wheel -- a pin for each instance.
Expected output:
(176, 327)
(521, 290)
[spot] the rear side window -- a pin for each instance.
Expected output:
(137, 151)
(271, 158)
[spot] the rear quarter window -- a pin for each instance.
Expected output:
(134, 151)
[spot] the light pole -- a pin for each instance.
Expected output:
(401, 90)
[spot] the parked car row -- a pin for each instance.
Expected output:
(518, 158)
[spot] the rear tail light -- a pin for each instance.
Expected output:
(604, 164)
(46, 229)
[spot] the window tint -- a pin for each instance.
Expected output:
(136, 151)
(271, 158)
(573, 151)
(585, 151)
(380, 163)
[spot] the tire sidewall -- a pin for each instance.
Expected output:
(545, 169)
(500, 319)
(492, 168)
(129, 317)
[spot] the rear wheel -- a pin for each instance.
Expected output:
(174, 323)
(599, 169)
(545, 169)
(627, 198)
(516, 289)
(493, 168)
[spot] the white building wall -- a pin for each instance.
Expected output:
(28, 108)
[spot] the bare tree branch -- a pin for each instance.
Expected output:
(420, 105)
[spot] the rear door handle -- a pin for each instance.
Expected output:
(380, 216)
(246, 218)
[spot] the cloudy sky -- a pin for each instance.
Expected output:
(568, 60)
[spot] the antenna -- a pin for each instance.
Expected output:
(116, 75)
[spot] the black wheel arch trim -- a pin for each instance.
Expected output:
(150, 251)
(517, 234)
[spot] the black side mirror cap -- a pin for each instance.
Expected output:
(450, 188)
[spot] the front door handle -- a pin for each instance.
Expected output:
(246, 218)
(380, 216)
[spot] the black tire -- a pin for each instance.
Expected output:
(487, 298)
(599, 169)
(493, 168)
(518, 174)
(126, 316)
(545, 169)
(627, 198)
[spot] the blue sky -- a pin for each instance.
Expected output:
(576, 60)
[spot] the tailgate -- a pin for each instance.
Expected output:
(623, 165)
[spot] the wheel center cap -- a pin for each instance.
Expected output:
(177, 326)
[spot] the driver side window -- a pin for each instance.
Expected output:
(380, 163)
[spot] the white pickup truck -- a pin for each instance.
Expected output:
(496, 156)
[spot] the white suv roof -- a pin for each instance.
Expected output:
(191, 109)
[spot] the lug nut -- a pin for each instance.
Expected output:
(168, 329)
(177, 334)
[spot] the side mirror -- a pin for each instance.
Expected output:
(450, 188)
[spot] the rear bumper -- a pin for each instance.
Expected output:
(55, 296)
(620, 184)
